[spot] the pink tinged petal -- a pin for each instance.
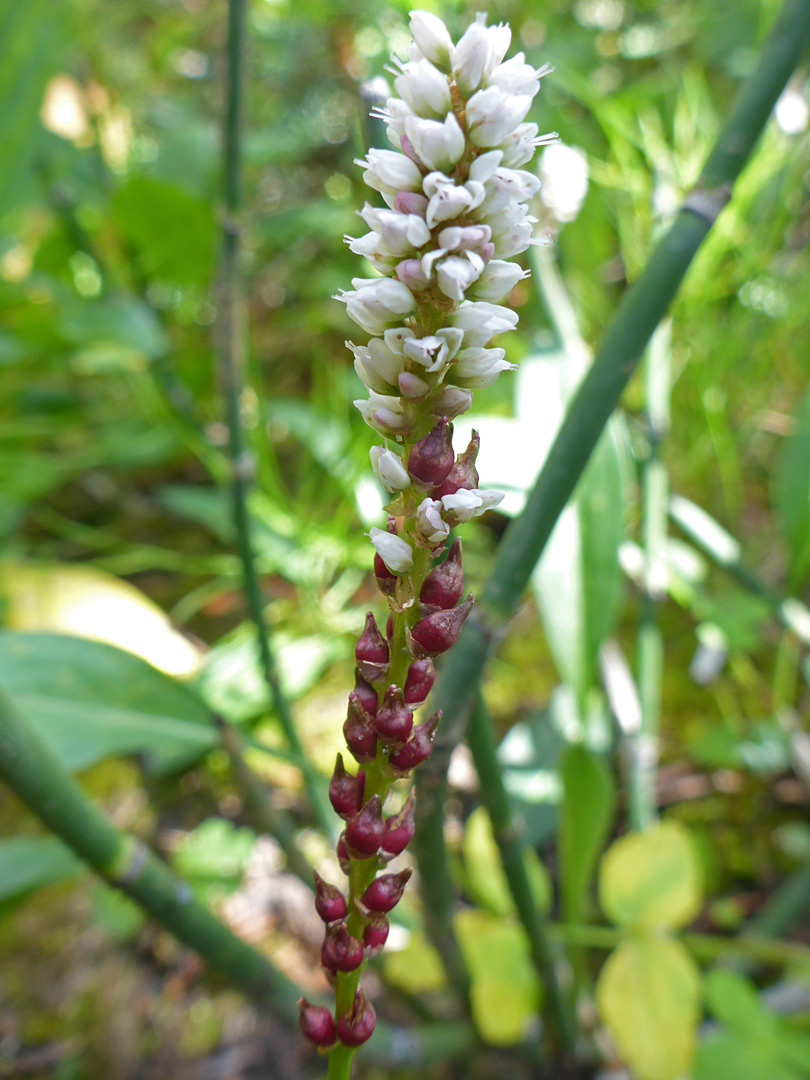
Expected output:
(456, 273)
(410, 202)
(395, 552)
(412, 387)
(410, 273)
(451, 401)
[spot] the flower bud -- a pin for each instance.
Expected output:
(329, 901)
(399, 829)
(420, 678)
(410, 202)
(343, 854)
(340, 951)
(451, 402)
(364, 832)
(431, 457)
(355, 1026)
(371, 649)
(412, 387)
(394, 720)
(417, 749)
(430, 525)
(366, 694)
(375, 933)
(438, 144)
(386, 581)
(385, 892)
(388, 469)
(465, 504)
(437, 632)
(463, 474)
(358, 731)
(396, 553)
(432, 37)
(411, 273)
(444, 585)
(479, 51)
(345, 790)
(316, 1023)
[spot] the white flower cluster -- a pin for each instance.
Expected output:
(456, 212)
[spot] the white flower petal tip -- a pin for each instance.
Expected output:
(396, 553)
(430, 524)
(468, 503)
(388, 469)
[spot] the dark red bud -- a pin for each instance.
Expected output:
(329, 901)
(366, 694)
(389, 627)
(345, 790)
(316, 1023)
(355, 1026)
(358, 731)
(340, 951)
(444, 585)
(419, 681)
(371, 650)
(394, 720)
(417, 749)
(375, 934)
(437, 632)
(386, 581)
(385, 892)
(399, 829)
(463, 474)
(342, 853)
(365, 831)
(431, 458)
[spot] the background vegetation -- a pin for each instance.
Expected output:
(114, 514)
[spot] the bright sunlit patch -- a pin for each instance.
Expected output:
(792, 112)
(564, 174)
(63, 110)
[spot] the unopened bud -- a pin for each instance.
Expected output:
(386, 581)
(316, 1023)
(385, 892)
(463, 474)
(431, 458)
(342, 853)
(399, 829)
(418, 683)
(394, 719)
(340, 951)
(371, 650)
(365, 831)
(329, 901)
(444, 584)
(365, 694)
(356, 1025)
(358, 731)
(375, 934)
(417, 749)
(437, 632)
(345, 790)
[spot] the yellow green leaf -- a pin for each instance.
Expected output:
(486, 880)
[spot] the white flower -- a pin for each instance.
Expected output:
(435, 351)
(480, 321)
(515, 76)
(456, 273)
(479, 51)
(429, 521)
(451, 401)
(432, 37)
(396, 553)
(376, 365)
(507, 186)
(497, 279)
(520, 145)
(377, 302)
(389, 172)
(470, 503)
(492, 115)
(447, 200)
(410, 273)
(438, 145)
(388, 469)
(383, 412)
(400, 233)
(372, 248)
(466, 238)
(477, 367)
(424, 88)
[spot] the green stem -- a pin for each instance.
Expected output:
(230, 332)
(641, 309)
(512, 850)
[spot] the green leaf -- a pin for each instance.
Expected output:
(506, 993)
(729, 1055)
(416, 968)
(586, 814)
(486, 880)
(212, 857)
(651, 879)
(28, 862)
(732, 999)
(648, 995)
(791, 491)
(115, 333)
(98, 701)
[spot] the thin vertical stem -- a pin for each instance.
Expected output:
(230, 331)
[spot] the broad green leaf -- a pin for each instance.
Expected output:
(416, 968)
(28, 862)
(485, 877)
(729, 1055)
(586, 814)
(648, 996)
(88, 701)
(791, 491)
(506, 993)
(212, 857)
(651, 879)
(74, 599)
(732, 999)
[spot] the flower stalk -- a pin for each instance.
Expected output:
(455, 213)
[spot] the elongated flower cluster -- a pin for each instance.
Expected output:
(456, 211)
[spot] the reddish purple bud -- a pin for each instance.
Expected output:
(366, 694)
(345, 790)
(385, 892)
(329, 901)
(419, 681)
(316, 1023)
(389, 626)
(394, 720)
(463, 474)
(371, 650)
(342, 853)
(355, 1026)
(417, 749)
(444, 585)
(340, 951)
(399, 829)
(437, 632)
(431, 458)
(358, 731)
(375, 934)
(386, 581)
(365, 831)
